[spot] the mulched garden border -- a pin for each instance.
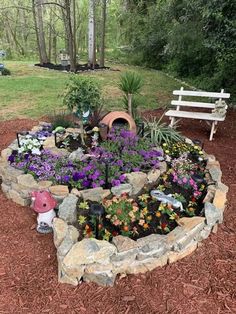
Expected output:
(201, 283)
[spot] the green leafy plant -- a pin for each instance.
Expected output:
(130, 83)
(82, 95)
(60, 118)
(159, 132)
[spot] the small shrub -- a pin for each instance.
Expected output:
(130, 83)
(6, 72)
(160, 132)
(61, 119)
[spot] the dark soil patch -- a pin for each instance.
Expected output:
(203, 283)
(79, 67)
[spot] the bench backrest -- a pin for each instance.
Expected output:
(197, 104)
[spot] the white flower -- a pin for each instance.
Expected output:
(36, 151)
(95, 129)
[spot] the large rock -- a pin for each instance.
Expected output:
(175, 256)
(68, 209)
(44, 185)
(153, 176)
(124, 243)
(69, 240)
(88, 251)
(138, 180)
(28, 181)
(120, 189)
(60, 228)
(17, 198)
(49, 142)
(102, 279)
(59, 190)
(212, 214)
(220, 199)
(94, 195)
(163, 167)
(183, 235)
(5, 153)
(78, 154)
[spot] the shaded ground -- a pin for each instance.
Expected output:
(204, 282)
(79, 67)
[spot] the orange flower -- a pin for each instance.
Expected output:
(126, 228)
(119, 211)
(191, 209)
(169, 205)
(145, 226)
(158, 214)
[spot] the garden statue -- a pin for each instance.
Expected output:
(220, 108)
(43, 203)
(167, 199)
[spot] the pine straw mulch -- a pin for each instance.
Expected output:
(204, 282)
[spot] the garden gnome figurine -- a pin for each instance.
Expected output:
(44, 204)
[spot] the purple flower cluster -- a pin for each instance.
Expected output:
(126, 154)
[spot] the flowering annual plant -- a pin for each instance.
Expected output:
(30, 145)
(122, 212)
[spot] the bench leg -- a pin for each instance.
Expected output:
(172, 122)
(213, 130)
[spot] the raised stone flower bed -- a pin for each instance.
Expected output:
(101, 261)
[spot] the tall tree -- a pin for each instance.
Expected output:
(103, 33)
(91, 35)
(39, 29)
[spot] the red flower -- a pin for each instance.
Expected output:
(163, 225)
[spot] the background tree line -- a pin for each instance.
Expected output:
(193, 39)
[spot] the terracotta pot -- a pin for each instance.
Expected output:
(110, 118)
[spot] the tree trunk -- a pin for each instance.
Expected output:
(130, 105)
(38, 21)
(91, 35)
(70, 36)
(103, 33)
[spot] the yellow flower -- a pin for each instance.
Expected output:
(149, 218)
(145, 211)
(143, 197)
(95, 129)
(167, 151)
(164, 144)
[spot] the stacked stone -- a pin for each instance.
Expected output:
(100, 261)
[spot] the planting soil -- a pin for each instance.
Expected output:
(201, 283)
(79, 67)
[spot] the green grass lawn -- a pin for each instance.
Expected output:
(35, 92)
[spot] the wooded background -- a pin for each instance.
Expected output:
(192, 39)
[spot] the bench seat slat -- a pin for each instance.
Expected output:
(193, 104)
(193, 115)
(200, 94)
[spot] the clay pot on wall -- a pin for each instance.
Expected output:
(111, 117)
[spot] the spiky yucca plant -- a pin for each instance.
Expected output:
(159, 132)
(130, 83)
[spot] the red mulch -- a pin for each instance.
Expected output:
(204, 282)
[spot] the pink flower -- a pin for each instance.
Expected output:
(185, 180)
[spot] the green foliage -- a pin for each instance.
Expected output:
(130, 83)
(60, 119)
(159, 132)
(5, 71)
(82, 93)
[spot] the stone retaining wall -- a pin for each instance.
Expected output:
(100, 261)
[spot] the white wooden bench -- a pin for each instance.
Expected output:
(180, 113)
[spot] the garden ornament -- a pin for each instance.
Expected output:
(167, 199)
(43, 203)
(220, 108)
